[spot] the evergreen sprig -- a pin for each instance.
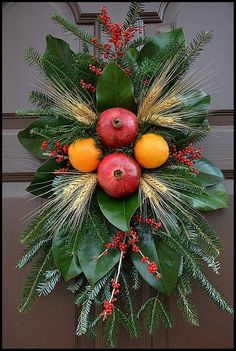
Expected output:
(29, 294)
(51, 279)
(133, 14)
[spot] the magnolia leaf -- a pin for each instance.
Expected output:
(196, 100)
(157, 43)
(167, 260)
(44, 173)
(33, 143)
(59, 48)
(114, 89)
(209, 173)
(88, 250)
(66, 263)
(118, 211)
(215, 197)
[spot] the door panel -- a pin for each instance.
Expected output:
(53, 319)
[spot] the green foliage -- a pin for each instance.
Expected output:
(67, 262)
(214, 198)
(29, 294)
(51, 279)
(32, 57)
(74, 29)
(86, 298)
(28, 257)
(155, 311)
(40, 99)
(93, 235)
(167, 260)
(114, 89)
(133, 14)
(209, 174)
(77, 285)
(184, 303)
(132, 322)
(37, 228)
(118, 211)
(211, 291)
(197, 45)
(136, 278)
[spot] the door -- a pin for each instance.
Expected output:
(52, 321)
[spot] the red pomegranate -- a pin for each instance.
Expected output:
(119, 175)
(117, 127)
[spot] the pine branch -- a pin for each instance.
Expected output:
(136, 278)
(86, 298)
(29, 294)
(134, 14)
(184, 303)
(33, 57)
(51, 279)
(111, 330)
(28, 257)
(197, 45)
(132, 321)
(40, 99)
(71, 27)
(75, 287)
(211, 291)
(36, 229)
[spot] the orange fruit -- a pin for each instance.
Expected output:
(151, 150)
(84, 155)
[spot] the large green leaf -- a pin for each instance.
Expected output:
(118, 211)
(214, 199)
(40, 183)
(88, 250)
(66, 263)
(209, 173)
(33, 143)
(196, 100)
(59, 48)
(114, 89)
(167, 260)
(157, 43)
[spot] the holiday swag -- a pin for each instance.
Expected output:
(125, 187)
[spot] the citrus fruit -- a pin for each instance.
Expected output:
(151, 150)
(84, 155)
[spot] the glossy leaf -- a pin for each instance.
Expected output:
(59, 48)
(88, 250)
(114, 89)
(33, 143)
(196, 100)
(157, 43)
(209, 173)
(67, 264)
(214, 199)
(118, 211)
(44, 173)
(167, 260)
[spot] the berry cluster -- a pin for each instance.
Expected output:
(97, 71)
(117, 242)
(87, 86)
(128, 71)
(108, 308)
(59, 152)
(150, 221)
(119, 37)
(109, 304)
(187, 156)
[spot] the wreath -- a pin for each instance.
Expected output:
(124, 184)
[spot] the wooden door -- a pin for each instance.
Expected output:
(52, 321)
